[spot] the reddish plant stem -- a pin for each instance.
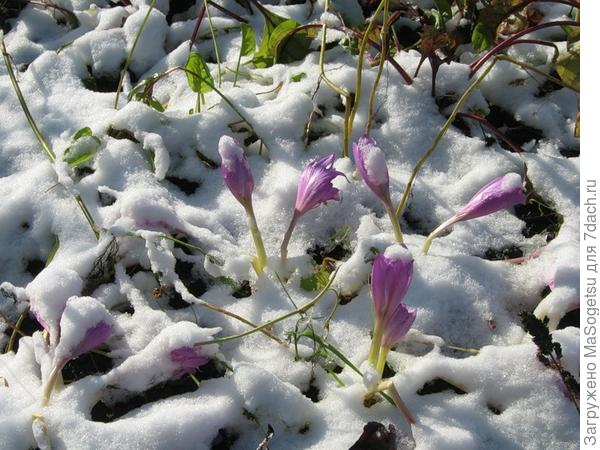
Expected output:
(389, 58)
(197, 26)
(492, 128)
(227, 12)
(479, 62)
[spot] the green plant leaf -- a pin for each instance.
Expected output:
(292, 43)
(315, 282)
(84, 147)
(263, 58)
(483, 36)
(81, 159)
(198, 75)
(298, 77)
(567, 66)
(248, 40)
(86, 131)
(445, 11)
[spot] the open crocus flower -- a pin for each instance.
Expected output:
(239, 180)
(390, 279)
(500, 193)
(314, 188)
(85, 324)
(370, 162)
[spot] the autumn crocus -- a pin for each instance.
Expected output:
(370, 162)
(85, 324)
(390, 279)
(314, 188)
(500, 193)
(239, 180)
(187, 359)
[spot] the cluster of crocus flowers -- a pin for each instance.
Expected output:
(500, 193)
(84, 325)
(390, 279)
(238, 178)
(370, 162)
(314, 188)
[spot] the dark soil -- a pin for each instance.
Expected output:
(103, 412)
(438, 385)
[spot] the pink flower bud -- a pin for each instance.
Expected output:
(235, 170)
(502, 192)
(370, 162)
(188, 359)
(390, 279)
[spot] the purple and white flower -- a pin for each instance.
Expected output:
(85, 324)
(187, 359)
(314, 188)
(236, 171)
(390, 279)
(238, 178)
(500, 193)
(370, 162)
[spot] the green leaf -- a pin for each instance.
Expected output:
(53, 251)
(86, 131)
(315, 282)
(198, 75)
(81, 159)
(248, 40)
(567, 66)
(445, 11)
(263, 58)
(299, 76)
(292, 43)
(84, 147)
(483, 36)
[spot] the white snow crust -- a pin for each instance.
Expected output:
(134, 192)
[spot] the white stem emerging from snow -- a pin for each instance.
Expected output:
(451, 221)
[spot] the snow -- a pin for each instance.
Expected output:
(461, 298)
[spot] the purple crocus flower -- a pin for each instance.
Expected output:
(500, 193)
(397, 325)
(314, 188)
(370, 162)
(390, 279)
(187, 359)
(239, 180)
(85, 324)
(235, 170)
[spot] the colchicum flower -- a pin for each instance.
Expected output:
(85, 324)
(238, 178)
(390, 279)
(314, 188)
(187, 359)
(500, 193)
(370, 162)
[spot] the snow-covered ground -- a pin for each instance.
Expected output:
(133, 189)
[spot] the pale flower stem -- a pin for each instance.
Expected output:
(51, 382)
(261, 255)
(400, 404)
(287, 237)
(395, 222)
(451, 221)
(383, 352)
(376, 343)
